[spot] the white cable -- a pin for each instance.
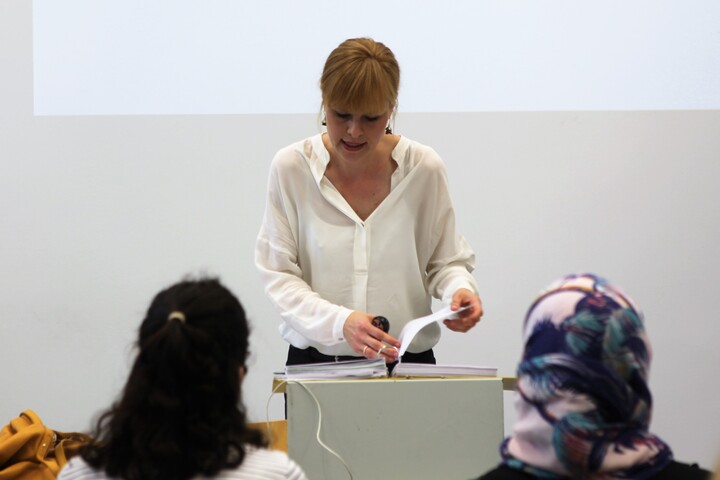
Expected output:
(319, 426)
(267, 410)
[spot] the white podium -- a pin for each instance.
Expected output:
(396, 428)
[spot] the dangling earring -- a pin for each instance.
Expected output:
(391, 121)
(324, 122)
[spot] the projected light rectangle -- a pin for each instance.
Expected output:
(144, 57)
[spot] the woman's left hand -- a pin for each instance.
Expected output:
(468, 318)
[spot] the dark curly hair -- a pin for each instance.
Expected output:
(181, 411)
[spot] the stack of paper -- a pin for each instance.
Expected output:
(375, 367)
(361, 368)
(429, 370)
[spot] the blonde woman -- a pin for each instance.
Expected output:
(359, 224)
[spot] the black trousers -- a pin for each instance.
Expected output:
(298, 356)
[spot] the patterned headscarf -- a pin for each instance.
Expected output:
(582, 401)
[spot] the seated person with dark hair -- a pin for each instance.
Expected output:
(180, 415)
(583, 402)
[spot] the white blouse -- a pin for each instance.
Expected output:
(320, 262)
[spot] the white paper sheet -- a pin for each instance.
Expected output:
(414, 326)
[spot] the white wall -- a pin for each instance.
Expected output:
(99, 213)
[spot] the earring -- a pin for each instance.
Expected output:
(324, 122)
(388, 130)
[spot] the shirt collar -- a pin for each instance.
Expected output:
(318, 157)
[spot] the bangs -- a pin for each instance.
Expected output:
(365, 90)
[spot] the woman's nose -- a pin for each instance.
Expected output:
(354, 128)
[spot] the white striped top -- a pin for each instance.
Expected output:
(259, 464)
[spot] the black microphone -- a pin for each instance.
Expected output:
(381, 323)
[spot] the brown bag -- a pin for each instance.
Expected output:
(30, 450)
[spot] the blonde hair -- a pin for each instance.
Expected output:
(361, 75)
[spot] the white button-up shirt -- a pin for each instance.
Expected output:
(320, 262)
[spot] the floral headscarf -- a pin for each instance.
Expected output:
(583, 401)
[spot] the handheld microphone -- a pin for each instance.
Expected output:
(382, 323)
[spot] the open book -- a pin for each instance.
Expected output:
(361, 368)
(405, 369)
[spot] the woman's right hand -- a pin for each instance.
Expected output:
(368, 340)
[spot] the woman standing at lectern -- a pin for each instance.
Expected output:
(359, 224)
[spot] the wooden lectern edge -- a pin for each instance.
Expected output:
(275, 431)
(508, 383)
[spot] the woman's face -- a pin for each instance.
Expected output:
(355, 135)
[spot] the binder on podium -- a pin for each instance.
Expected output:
(392, 428)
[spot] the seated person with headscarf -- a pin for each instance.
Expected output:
(583, 402)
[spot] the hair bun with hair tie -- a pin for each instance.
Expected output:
(176, 315)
